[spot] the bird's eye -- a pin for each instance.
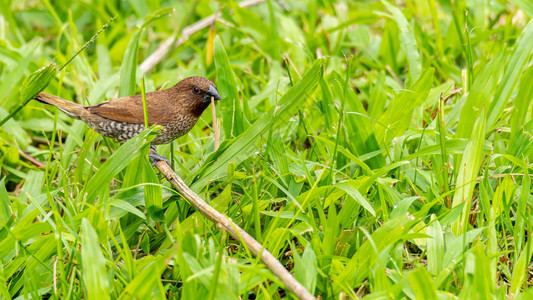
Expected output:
(196, 90)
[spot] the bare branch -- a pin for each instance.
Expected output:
(216, 125)
(171, 42)
(226, 224)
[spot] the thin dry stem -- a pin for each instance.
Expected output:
(226, 224)
(171, 42)
(216, 126)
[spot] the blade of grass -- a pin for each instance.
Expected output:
(277, 116)
(467, 174)
(16, 74)
(397, 117)
(522, 102)
(231, 109)
(515, 65)
(145, 108)
(128, 70)
(408, 43)
(118, 161)
(94, 271)
(526, 5)
(31, 86)
(5, 213)
(422, 284)
(38, 80)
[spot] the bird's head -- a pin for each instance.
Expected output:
(196, 92)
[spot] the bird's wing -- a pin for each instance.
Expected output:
(130, 110)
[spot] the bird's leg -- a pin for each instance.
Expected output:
(156, 157)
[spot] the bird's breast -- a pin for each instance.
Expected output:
(122, 132)
(172, 130)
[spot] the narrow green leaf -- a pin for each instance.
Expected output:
(526, 5)
(522, 102)
(435, 246)
(407, 42)
(94, 271)
(483, 283)
(519, 268)
(366, 256)
(118, 161)
(153, 197)
(244, 145)
(14, 76)
(5, 212)
(147, 283)
(521, 211)
(422, 284)
(467, 174)
(125, 206)
(128, 70)
(31, 86)
(455, 246)
(397, 117)
(355, 195)
(481, 93)
(302, 270)
(515, 65)
(233, 123)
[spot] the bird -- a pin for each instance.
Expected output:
(176, 109)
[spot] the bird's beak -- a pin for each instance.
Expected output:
(212, 92)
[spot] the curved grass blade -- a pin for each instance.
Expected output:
(31, 86)
(243, 145)
(231, 110)
(515, 65)
(38, 80)
(93, 264)
(128, 70)
(349, 188)
(467, 175)
(397, 117)
(118, 161)
(407, 42)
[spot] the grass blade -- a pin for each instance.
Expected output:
(467, 174)
(118, 161)
(407, 42)
(277, 116)
(31, 86)
(93, 264)
(515, 65)
(397, 117)
(231, 109)
(128, 70)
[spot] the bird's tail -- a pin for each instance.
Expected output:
(71, 109)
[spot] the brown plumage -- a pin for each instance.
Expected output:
(176, 109)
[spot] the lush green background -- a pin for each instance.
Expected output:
(398, 167)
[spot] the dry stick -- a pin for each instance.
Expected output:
(171, 42)
(226, 224)
(205, 209)
(216, 127)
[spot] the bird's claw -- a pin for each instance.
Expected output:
(152, 154)
(157, 158)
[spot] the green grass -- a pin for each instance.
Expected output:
(397, 167)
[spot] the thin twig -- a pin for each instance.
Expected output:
(226, 224)
(216, 127)
(171, 42)
(93, 38)
(32, 159)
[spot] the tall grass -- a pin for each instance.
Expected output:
(398, 166)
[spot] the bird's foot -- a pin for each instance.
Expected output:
(156, 157)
